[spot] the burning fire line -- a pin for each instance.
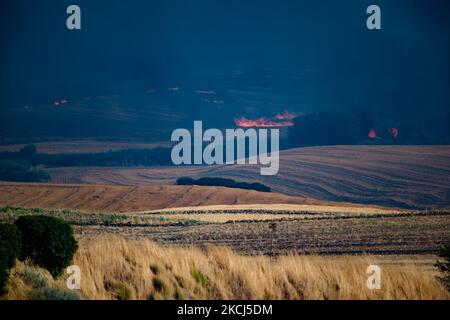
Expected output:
(280, 120)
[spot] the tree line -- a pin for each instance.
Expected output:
(222, 182)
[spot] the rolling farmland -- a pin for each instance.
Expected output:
(414, 177)
(108, 198)
(304, 229)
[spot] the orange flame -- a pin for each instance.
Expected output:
(261, 122)
(394, 132)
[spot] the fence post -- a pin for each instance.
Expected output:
(273, 228)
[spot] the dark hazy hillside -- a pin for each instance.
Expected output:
(350, 128)
(137, 70)
(284, 97)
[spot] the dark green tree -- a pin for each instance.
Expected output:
(47, 241)
(28, 152)
(444, 266)
(10, 246)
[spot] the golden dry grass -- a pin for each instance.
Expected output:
(225, 217)
(263, 212)
(113, 267)
(314, 207)
(28, 282)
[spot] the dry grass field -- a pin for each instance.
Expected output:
(116, 268)
(414, 177)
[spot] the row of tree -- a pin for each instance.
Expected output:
(222, 182)
(123, 158)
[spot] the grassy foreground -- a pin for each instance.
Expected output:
(118, 268)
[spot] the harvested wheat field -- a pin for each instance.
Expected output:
(411, 177)
(108, 198)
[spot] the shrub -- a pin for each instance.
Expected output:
(222, 182)
(50, 293)
(11, 235)
(34, 277)
(444, 266)
(21, 170)
(9, 251)
(47, 241)
(28, 152)
(30, 282)
(200, 278)
(124, 292)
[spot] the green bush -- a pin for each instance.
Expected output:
(222, 182)
(200, 278)
(47, 241)
(11, 235)
(9, 251)
(35, 277)
(444, 266)
(49, 293)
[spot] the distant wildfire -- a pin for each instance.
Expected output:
(374, 135)
(394, 132)
(279, 120)
(286, 116)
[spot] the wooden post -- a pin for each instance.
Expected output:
(273, 228)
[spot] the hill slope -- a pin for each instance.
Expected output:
(140, 198)
(399, 176)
